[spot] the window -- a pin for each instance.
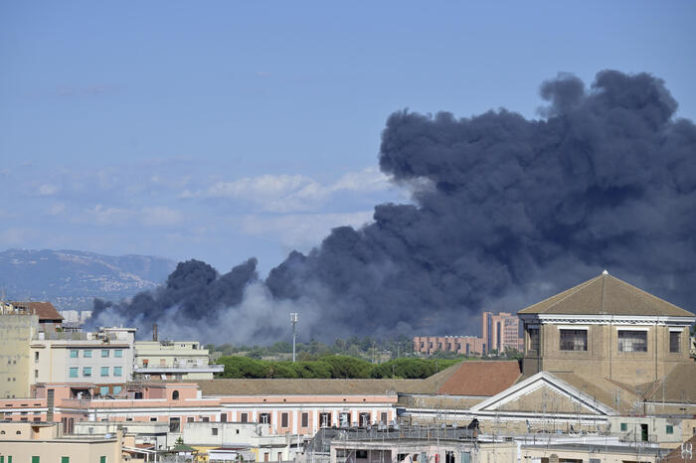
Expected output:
(674, 344)
(174, 424)
(73, 353)
(118, 353)
(533, 339)
(633, 341)
(573, 340)
(205, 419)
(325, 420)
(265, 418)
(36, 356)
(104, 353)
(344, 419)
(104, 390)
(383, 418)
(35, 459)
(118, 371)
(669, 429)
(105, 371)
(284, 420)
(36, 374)
(87, 371)
(117, 389)
(73, 372)
(64, 459)
(102, 459)
(223, 417)
(214, 431)
(87, 353)
(305, 420)
(244, 418)
(189, 419)
(175, 395)
(153, 418)
(624, 426)
(364, 419)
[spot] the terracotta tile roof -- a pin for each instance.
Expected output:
(675, 456)
(44, 310)
(484, 378)
(606, 295)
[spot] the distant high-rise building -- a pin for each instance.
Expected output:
(500, 332)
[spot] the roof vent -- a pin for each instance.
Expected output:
(605, 272)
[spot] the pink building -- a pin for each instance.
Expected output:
(501, 331)
(286, 406)
(464, 345)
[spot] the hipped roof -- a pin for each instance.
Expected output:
(44, 310)
(606, 295)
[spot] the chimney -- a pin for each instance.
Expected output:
(154, 332)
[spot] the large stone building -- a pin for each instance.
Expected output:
(606, 328)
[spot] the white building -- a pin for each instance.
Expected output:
(173, 360)
(104, 358)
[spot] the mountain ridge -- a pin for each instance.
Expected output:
(71, 279)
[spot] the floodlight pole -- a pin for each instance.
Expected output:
(293, 320)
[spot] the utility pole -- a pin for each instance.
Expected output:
(293, 320)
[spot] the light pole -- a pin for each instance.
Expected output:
(293, 320)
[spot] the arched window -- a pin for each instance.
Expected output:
(175, 395)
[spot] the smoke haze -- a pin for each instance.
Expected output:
(506, 211)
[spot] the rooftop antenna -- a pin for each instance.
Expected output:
(293, 320)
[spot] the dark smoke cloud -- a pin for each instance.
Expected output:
(506, 211)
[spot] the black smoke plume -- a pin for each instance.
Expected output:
(505, 211)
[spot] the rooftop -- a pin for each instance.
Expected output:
(606, 295)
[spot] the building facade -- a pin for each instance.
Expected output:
(173, 360)
(606, 328)
(463, 345)
(501, 332)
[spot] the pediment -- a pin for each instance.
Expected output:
(544, 393)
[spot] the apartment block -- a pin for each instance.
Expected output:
(464, 345)
(173, 360)
(103, 358)
(501, 332)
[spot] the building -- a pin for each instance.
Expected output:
(173, 360)
(602, 358)
(500, 332)
(609, 329)
(45, 443)
(17, 327)
(463, 345)
(251, 441)
(103, 358)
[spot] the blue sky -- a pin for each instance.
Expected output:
(226, 130)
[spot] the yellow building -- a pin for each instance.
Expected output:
(16, 329)
(44, 443)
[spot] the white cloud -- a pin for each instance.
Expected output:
(161, 216)
(47, 190)
(56, 209)
(292, 193)
(109, 215)
(301, 231)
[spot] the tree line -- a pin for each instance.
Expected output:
(332, 366)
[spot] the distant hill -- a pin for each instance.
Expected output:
(71, 279)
